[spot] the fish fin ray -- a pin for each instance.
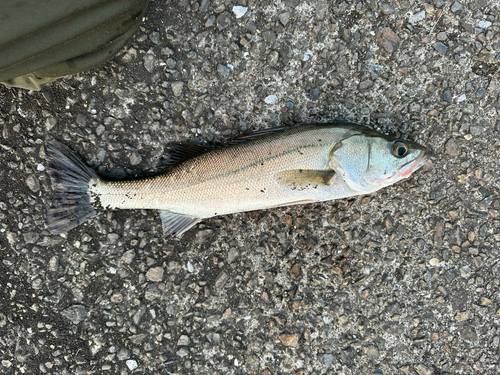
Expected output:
(176, 224)
(306, 178)
(70, 178)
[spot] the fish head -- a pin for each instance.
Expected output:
(370, 161)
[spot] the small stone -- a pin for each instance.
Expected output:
(451, 147)
(295, 270)
(462, 316)
(177, 88)
(132, 364)
(221, 280)
(183, 341)
(441, 48)
(149, 62)
(387, 39)
(422, 369)
(31, 237)
(290, 340)
(442, 36)
(434, 261)
(223, 70)
(155, 37)
(210, 21)
(183, 352)
(363, 85)
(81, 119)
(155, 274)
(33, 183)
(284, 18)
(450, 275)
(190, 267)
(371, 351)
(476, 130)
(461, 98)
(128, 257)
(485, 301)
(116, 298)
(414, 18)
(135, 158)
(314, 94)
(480, 92)
(239, 11)
(223, 20)
(327, 359)
(75, 313)
(271, 99)
(123, 354)
(232, 255)
(447, 96)
(386, 8)
(484, 24)
(456, 7)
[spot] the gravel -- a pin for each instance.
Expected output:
(404, 281)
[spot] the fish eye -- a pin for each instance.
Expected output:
(399, 149)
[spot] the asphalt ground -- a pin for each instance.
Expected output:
(403, 281)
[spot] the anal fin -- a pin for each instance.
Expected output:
(306, 178)
(176, 224)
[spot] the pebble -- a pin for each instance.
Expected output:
(441, 48)
(132, 364)
(417, 17)
(480, 92)
(434, 261)
(177, 88)
(462, 316)
(76, 313)
(223, 20)
(223, 70)
(149, 62)
(239, 11)
(183, 352)
(271, 99)
(451, 147)
(327, 358)
(295, 270)
(447, 96)
(456, 7)
(155, 274)
(33, 183)
(284, 18)
(314, 94)
(221, 279)
(461, 98)
(386, 8)
(365, 84)
(290, 339)
(387, 39)
(183, 341)
(423, 369)
(135, 158)
(123, 354)
(484, 24)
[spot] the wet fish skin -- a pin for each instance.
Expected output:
(303, 164)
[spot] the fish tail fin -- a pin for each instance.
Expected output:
(70, 178)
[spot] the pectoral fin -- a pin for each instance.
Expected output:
(176, 224)
(306, 178)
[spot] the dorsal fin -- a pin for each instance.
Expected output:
(185, 151)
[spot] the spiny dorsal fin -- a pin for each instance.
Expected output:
(306, 178)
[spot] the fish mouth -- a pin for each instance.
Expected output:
(408, 168)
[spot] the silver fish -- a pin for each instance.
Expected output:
(272, 168)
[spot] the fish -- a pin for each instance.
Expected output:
(266, 169)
